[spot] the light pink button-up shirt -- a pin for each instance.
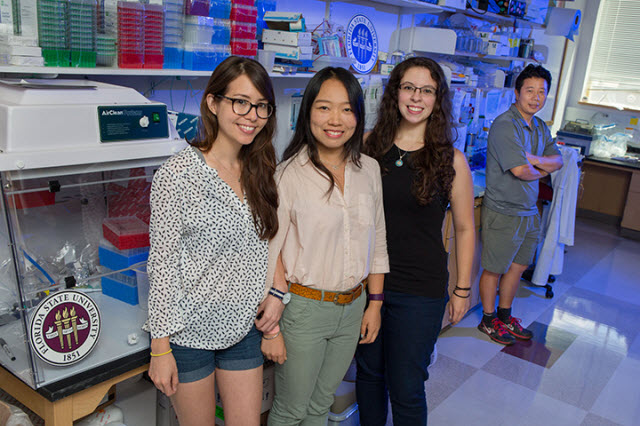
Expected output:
(329, 242)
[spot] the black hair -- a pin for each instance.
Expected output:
(533, 71)
(303, 137)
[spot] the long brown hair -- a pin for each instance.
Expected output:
(433, 162)
(258, 158)
(303, 136)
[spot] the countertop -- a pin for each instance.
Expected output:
(633, 162)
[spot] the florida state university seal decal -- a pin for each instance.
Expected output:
(65, 327)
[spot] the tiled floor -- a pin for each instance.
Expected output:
(583, 367)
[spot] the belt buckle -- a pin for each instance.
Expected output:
(335, 299)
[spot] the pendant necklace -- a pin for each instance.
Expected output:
(334, 167)
(399, 161)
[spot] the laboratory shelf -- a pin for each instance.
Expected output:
(408, 7)
(10, 70)
(494, 57)
(486, 89)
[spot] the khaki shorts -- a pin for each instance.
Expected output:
(508, 239)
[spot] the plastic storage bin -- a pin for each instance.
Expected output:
(221, 31)
(198, 57)
(116, 260)
(130, 35)
(173, 57)
(121, 287)
(242, 13)
(243, 30)
(127, 232)
(220, 9)
(243, 47)
(196, 7)
(198, 29)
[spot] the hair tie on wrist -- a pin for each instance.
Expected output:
(463, 288)
(462, 297)
(163, 353)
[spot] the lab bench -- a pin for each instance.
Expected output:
(611, 192)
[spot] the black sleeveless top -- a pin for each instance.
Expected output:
(417, 258)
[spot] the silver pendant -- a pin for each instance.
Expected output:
(399, 162)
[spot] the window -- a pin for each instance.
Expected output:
(613, 72)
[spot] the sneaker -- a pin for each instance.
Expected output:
(516, 330)
(497, 332)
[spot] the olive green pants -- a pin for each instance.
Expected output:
(321, 338)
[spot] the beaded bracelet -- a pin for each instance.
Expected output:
(163, 353)
(272, 337)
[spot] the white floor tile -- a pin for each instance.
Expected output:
(485, 399)
(620, 399)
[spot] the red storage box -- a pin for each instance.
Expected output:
(242, 13)
(242, 47)
(32, 199)
(126, 232)
(243, 30)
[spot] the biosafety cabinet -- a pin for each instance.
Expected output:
(76, 164)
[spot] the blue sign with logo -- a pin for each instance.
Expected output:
(362, 43)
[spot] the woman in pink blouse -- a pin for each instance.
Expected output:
(331, 237)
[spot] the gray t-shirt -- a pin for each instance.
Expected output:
(510, 138)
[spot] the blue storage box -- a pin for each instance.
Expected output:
(221, 32)
(220, 9)
(114, 259)
(198, 57)
(172, 57)
(121, 287)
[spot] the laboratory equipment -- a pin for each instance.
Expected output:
(76, 158)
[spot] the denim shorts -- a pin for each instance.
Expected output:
(196, 364)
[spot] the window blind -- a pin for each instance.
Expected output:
(613, 74)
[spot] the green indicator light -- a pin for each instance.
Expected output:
(155, 117)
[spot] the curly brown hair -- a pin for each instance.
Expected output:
(433, 162)
(259, 157)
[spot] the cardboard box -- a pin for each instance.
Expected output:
(286, 38)
(284, 21)
(300, 53)
(456, 4)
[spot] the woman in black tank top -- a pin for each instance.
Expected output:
(421, 174)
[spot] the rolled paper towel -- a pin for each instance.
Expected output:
(564, 22)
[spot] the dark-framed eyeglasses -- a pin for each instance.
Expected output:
(243, 107)
(410, 89)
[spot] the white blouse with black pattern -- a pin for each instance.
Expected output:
(207, 265)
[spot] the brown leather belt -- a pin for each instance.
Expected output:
(339, 298)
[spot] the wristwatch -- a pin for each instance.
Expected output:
(284, 297)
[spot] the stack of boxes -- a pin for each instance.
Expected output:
(82, 33)
(203, 33)
(19, 33)
(126, 243)
(244, 18)
(140, 35)
(173, 33)
(153, 35)
(286, 36)
(106, 50)
(130, 34)
(15, 54)
(53, 29)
